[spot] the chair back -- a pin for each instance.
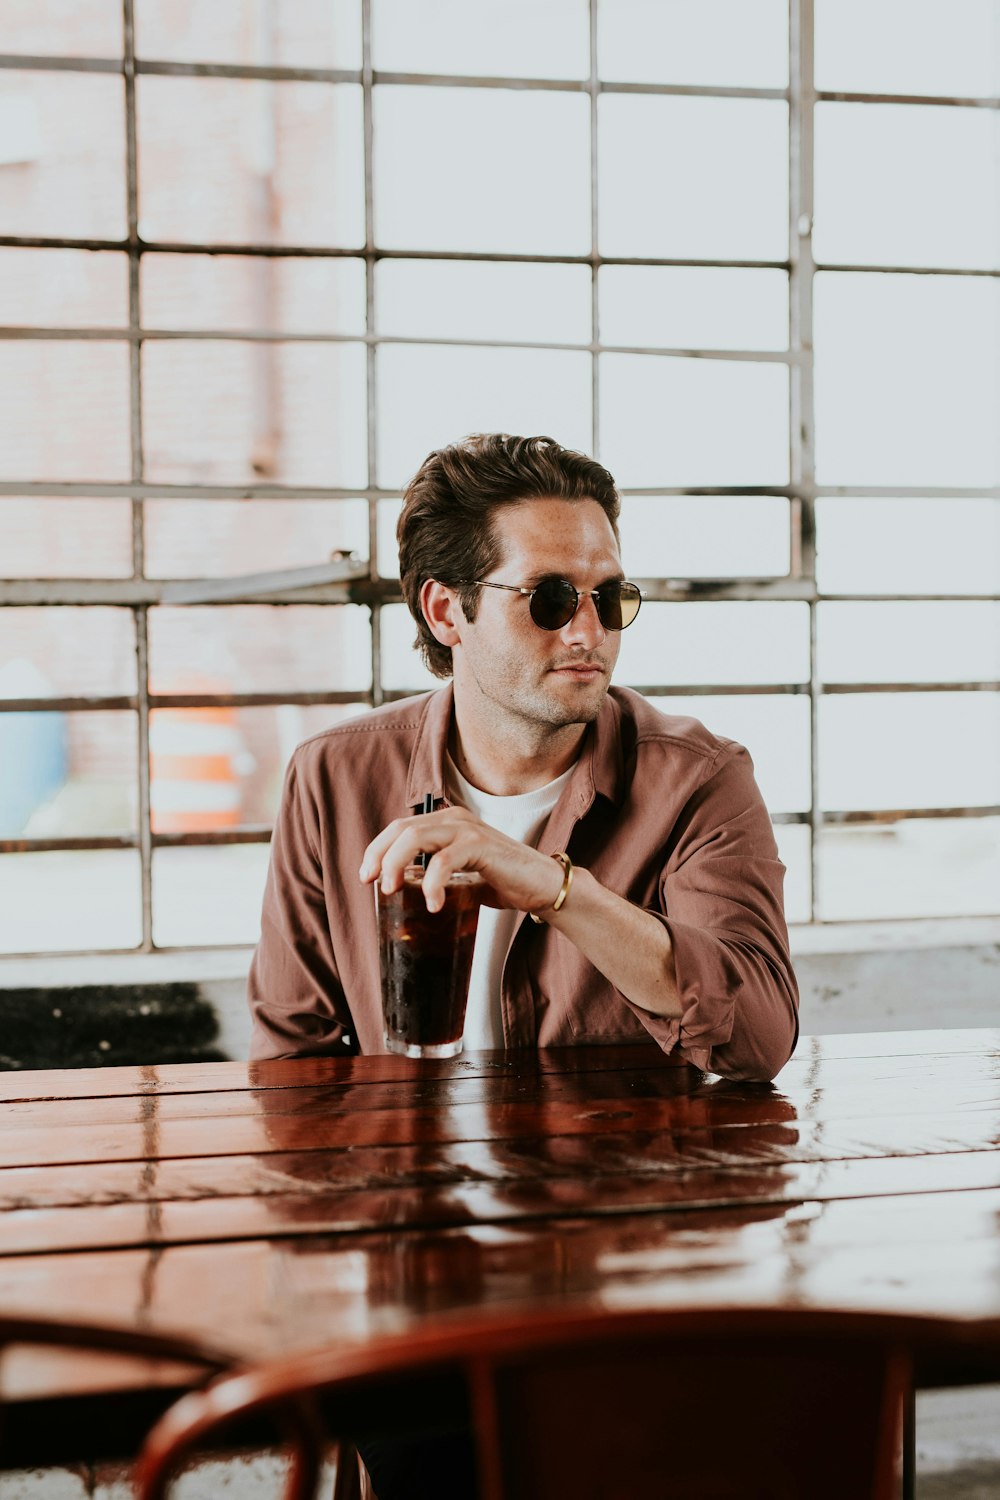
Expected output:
(55, 1357)
(708, 1404)
(24, 1329)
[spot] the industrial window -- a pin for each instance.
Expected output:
(258, 258)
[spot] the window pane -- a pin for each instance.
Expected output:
(705, 536)
(794, 842)
(716, 643)
(42, 538)
(678, 422)
(445, 160)
(222, 538)
(208, 897)
(909, 546)
(64, 133)
(907, 185)
(66, 651)
(73, 899)
(241, 292)
(907, 380)
(923, 868)
(34, 758)
(896, 750)
(742, 42)
(257, 648)
(691, 307)
(774, 730)
(909, 642)
(66, 410)
(402, 666)
(63, 288)
(694, 177)
(243, 161)
(230, 413)
(502, 38)
(431, 396)
(215, 768)
(454, 299)
(950, 46)
(67, 774)
(297, 33)
(66, 28)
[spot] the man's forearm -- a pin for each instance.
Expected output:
(624, 943)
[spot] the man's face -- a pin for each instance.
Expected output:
(546, 677)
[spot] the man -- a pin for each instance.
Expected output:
(629, 853)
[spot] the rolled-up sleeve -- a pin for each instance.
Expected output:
(294, 991)
(721, 902)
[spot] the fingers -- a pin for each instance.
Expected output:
(440, 867)
(371, 864)
(439, 835)
(453, 839)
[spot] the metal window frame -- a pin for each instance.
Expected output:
(364, 585)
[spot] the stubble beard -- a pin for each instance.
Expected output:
(547, 710)
(506, 696)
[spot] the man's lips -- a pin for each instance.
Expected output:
(586, 671)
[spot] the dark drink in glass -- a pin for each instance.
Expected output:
(426, 960)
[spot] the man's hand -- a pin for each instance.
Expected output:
(517, 877)
(626, 944)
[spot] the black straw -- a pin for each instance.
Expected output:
(427, 808)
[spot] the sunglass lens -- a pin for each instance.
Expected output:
(618, 604)
(553, 603)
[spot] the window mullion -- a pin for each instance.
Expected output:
(802, 96)
(135, 438)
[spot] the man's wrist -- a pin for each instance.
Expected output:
(559, 901)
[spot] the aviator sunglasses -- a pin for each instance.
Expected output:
(553, 602)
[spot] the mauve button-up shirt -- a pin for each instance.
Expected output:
(660, 811)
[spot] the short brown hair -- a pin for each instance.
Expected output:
(445, 530)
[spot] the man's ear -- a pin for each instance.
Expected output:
(442, 612)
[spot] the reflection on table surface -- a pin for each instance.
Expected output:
(278, 1205)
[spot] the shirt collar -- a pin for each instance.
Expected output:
(599, 769)
(607, 759)
(427, 760)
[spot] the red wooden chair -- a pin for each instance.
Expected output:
(79, 1358)
(710, 1404)
(190, 1360)
(26, 1329)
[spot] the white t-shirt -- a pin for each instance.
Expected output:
(520, 817)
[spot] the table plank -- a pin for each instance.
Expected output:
(829, 1087)
(284, 1073)
(162, 1222)
(348, 1098)
(188, 1078)
(590, 1110)
(269, 1296)
(352, 1168)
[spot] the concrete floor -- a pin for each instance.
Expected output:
(977, 1482)
(958, 1444)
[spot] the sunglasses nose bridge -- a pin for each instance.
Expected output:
(583, 621)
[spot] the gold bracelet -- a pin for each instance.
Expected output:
(560, 900)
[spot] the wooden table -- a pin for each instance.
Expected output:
(273, 1206)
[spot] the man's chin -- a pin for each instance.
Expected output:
(585, 711)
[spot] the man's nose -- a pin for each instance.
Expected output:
(585, 628)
